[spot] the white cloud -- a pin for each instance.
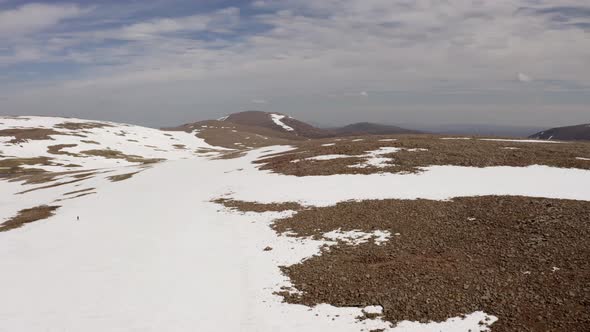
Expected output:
(302, 49)
(524, 78)
(35, 17)
(220, 21)
(259, 101)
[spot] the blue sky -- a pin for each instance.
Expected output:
(156, 62)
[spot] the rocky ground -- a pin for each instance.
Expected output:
(524, 259)
(351, 156)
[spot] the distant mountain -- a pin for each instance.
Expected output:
(477, 129)
(278, 122)
(367, 128)
(569, 133)
(288, 125)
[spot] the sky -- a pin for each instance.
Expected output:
(330, 62)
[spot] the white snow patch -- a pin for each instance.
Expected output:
(457, 324)
(329, 144)
(518, 140)
(374, 158)
(356, 237)
(379, 162)
(447, 138)
(330, 157)
(373, 310)
(223, 118)
(276, 118)
(510, 148)
(385, 150)
(580, 158)
(387, 140)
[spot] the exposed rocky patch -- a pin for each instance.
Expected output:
(243, 206)
(82, 125)
(114, 154)
(25, 134)
(79, 191)
(57, 149)
(11, 167)
(525, 260)
(77, 178)
(121, 177)
(416, 152)
(28, 216)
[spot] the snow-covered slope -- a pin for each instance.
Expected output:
(91, 144)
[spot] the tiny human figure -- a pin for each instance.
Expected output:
(78, 218)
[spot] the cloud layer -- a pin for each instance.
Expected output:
(308, 57)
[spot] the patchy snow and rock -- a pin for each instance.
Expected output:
(96, 144)
(356, 237)
(129, 263)
(153, 253)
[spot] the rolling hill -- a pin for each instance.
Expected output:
(288, 125)
(367, 128)
(568, 133)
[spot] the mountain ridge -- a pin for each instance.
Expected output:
(579, 132)
(287, 124)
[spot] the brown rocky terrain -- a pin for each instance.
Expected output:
(237, 136)
(28, 216)
(418, 151)
(524, 260)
